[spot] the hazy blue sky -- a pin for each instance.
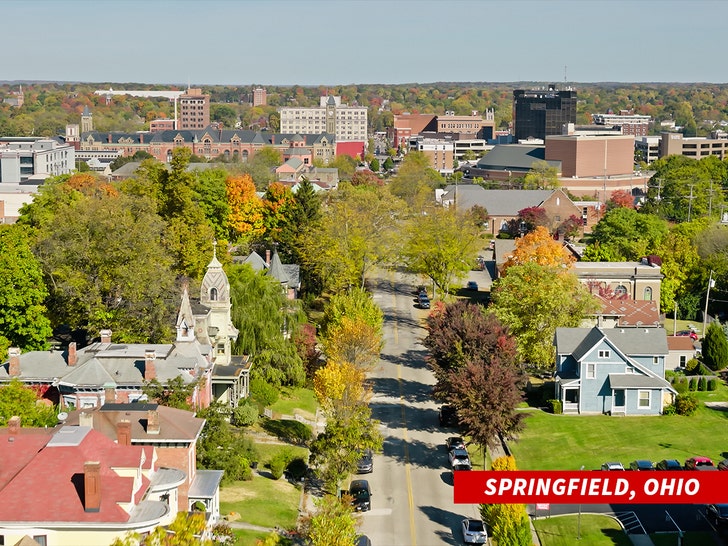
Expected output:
(312, 42)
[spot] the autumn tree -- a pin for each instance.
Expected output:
(333, 523)
(539, 247)
(246, 218)
(541, 176)
(715, 347)
(620, 198)
(353, 341)
(527, 220)
(508, 523)
(17, 399)
(442, 245)
(681, 263)
(356, 305)
(627, 235)
(415, 181)
(533, 300)
(278, 203)
(474, 361)
(23, 320)
(185, 530)
(365, 178)
(175, 393)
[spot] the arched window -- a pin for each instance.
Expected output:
(213, 294)
(648, 293)
(245, 156)
(620, 291)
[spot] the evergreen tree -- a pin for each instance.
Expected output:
(715, 347)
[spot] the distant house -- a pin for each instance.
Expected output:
(625, 313)
(287, 274)
(681, 350)
(617, 371)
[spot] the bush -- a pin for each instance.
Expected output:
(555, 406)
(681, 384)
(288, 430)
(244, 415)
(669, 410)
(693, 385)
(263, 392)
(278, 465)
(691, 366)
(702, 384)
(712, 384)
(686, 404)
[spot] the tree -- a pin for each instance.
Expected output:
(534, 300)
(474, 362)
(442, 245)
(23, 320)
(183, 531)
(715, 347)
(620, 198)
(572, 227)
(388, 164)
(333, 523)
(356, 305)
(415, 181)
(542, 176)
(374, 164)
(365, 178)
(508, 523)
(16, 399)
(353, 341)
(210, 193)
(629, 235)
(539, 247)
(175, 393)
(278, 204)
(246, 209)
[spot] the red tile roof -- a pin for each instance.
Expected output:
(680, 343)
(631, 312)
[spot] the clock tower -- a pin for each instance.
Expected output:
(331, 116)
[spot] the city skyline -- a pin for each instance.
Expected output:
(324, 42)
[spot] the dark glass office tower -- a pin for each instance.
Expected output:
(542, 112)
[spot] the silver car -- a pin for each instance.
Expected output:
(474, 531)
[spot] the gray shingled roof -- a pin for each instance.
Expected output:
(515, 157)
(496, 202)
(276, 270)
(636, 381)
(629, 341)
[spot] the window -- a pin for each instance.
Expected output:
(655, 360)
(648, 294)
(643, 399)
(683, 361)
(41, 539)
(620, 291)
(213, 294)
(604, 353)
(591, 370)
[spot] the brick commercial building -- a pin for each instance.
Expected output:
(591, 156)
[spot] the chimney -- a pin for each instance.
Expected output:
(105, 336)
(14, 424)
(109, 139)
(152, 422)
(123, 432)
(91, 486)
(141, 138)
(272, 139)
(150, 372)
(267, 257)
(109, 394)
(13, 361)
(85, 420)
(72, 356)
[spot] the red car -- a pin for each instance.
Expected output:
(694, 463)
(689, 333)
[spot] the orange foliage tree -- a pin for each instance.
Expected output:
(246, 208)
(539, 247)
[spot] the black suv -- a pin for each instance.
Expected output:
(448, 416)
(423, 301)
(361, 495)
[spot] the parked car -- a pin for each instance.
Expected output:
(448, 416)
(423, 301)
(717, 513)
(474, 531)
(723, 465)
(689, 333)
(461, 465)
(454, 442)
(363, 540)
(365, 464)
(694, 463)
(669, 464)
(361, 495)
(641, 464)
(421, 289)
(612, 466)
(472, 285)
(459, 456)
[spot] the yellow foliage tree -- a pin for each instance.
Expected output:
(246, 208)
(353, 341)
(508, 523)
(539, 247)
(339, 385)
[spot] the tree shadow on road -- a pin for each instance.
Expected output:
(447, 519)
(413, 358)
(409, 391)
(418, 454)
(419, 419)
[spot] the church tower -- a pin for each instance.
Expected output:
(215, 295)
(87, 121)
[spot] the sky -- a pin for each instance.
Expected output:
(341, 42)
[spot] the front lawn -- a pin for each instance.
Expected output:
(298, 398)
(595, 530)
(566, 442)
(262, 501)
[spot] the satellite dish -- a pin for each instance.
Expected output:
(62, 416)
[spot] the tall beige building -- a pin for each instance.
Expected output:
(260, 96)
(331, 116)
(194, 110)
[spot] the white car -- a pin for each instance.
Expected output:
(474, 531)
(459, 457)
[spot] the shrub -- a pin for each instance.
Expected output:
(693, 385)
(680, 384)
(691, 366)
(686, 404)
(244, 415)
(288, 430)
(712, 384)
(277, 465)
(669, 410)
(555, 406)
(263, 392)
(702, 383)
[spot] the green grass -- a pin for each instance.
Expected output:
(689, 539)
(595, 530)
(267, 451)
(299, 398)
(262, 501)
(246, 537)
(565, 442)
(681, 325)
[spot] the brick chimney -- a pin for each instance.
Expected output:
(152, 422)
(150, 372)
(109, 394)
(85, 420)
(123, 432)
(91, 486)
(105, 336)
(267, 257)
(14, 424)
(72, 356)
(13, 361)
(141, 138)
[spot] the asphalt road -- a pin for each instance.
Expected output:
(412, 492)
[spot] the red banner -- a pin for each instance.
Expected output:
(591, 487)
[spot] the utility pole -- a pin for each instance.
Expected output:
(690, 201)
(711, 284)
